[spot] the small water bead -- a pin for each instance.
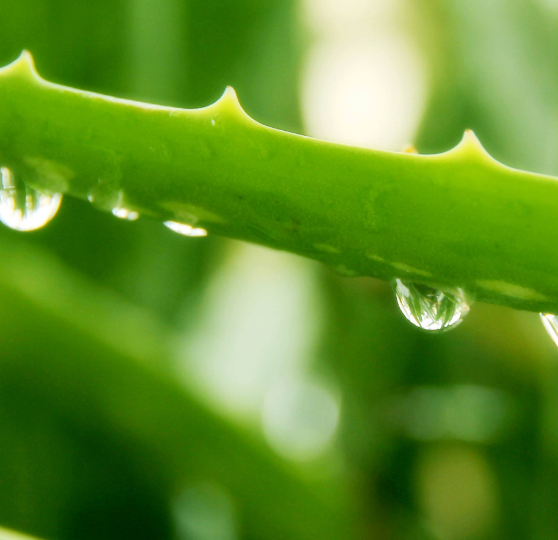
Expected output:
(22, 207)
(550, 323)
(430, 308)
(124, 213)
(186, 230)
(105, 195)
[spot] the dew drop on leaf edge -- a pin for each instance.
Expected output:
(105, 197)
(429, 308)
(550, 323)
(106, 194)
(123, 213)
(186, 230)
(23, 208)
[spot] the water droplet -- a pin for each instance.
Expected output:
(186, 230)
(430, 308)
(120, 211)
(550, 323)
(105, 195)
(124, 213)
(24, 208)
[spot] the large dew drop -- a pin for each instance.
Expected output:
(429, 308)
(24, 208)
(186, 230)
(550, 323)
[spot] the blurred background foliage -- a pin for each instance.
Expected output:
(156, 386)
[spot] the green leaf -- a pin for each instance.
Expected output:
(458, 219)
(88, 392)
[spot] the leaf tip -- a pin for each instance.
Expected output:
(229, 104)
(471, 143)
(24, 66)
(230, 92)
(470, 147)
(27, 58)
(229, 99)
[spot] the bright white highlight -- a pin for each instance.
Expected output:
(365, 82)
(186, 230)
(300, 418)
(23, 208)
(258, 325)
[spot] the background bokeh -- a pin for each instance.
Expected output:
(162, 387)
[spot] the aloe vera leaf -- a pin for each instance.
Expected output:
(457, 219)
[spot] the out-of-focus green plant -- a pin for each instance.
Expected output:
(10, 535)
(160, 429)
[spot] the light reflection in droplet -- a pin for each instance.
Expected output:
(22, 207)
(186, 230)
(120, 211)
(550, 323)
(124, 213)
(430, 308)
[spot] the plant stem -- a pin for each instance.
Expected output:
(458, 219)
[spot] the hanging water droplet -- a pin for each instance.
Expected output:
(124, 213)
(105, 195)
(186, 230)
(429, 308)
(24, 208)
(550, 323)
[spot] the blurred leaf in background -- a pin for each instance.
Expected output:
(156, 386)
